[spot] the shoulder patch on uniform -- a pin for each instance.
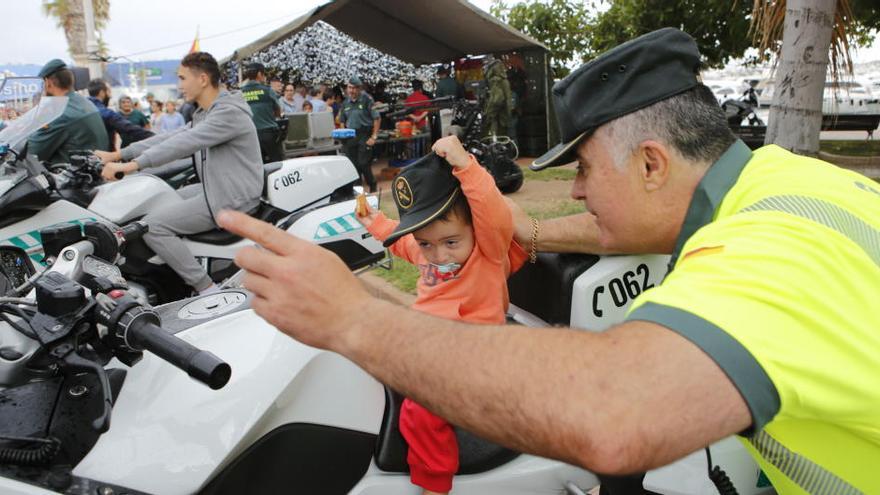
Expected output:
(703, 251)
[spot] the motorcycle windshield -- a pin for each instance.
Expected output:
(10, 176)
(18, 130)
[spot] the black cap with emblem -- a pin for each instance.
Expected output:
(423, 192)
(51, 67)
(629, 77)
(255, 68)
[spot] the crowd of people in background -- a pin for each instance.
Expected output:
(296, 98)
(299, 97)
(8, 113)
(158, 117)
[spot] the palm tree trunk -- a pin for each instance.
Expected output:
(75, 32)
(796, 111)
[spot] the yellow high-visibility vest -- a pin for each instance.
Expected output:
(776, 276)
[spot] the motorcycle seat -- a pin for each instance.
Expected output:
(475, 455)
(545, 288)
(220, 237)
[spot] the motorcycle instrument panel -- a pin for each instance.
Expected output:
(15, 268)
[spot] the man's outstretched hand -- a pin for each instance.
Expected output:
(304, 290)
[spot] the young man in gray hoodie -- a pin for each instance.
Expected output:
(228, 162)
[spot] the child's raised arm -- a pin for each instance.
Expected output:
(381, 227)
(493, 222)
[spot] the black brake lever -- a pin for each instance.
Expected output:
(72, 362)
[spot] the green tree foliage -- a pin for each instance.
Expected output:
(578, 30)
(866, 21)
(720, 27)
(561, 25)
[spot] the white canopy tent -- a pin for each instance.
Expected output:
(415, 31)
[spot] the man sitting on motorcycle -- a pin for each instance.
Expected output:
(221, 133)
(80, 126)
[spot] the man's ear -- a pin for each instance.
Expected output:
(655, 164)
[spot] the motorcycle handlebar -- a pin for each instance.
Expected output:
(100, 168)
(199, 364)
(134, 231)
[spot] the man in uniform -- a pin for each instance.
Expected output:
(357, 113)
(498, 103)
(80, 127)
(446, 86)
(766, 327)
(266, 109)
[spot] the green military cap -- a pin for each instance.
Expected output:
(629, 77)
(355, 81)
(255, 67)
(51, 67)
(422, 192)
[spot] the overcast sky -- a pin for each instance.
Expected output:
(138, 28)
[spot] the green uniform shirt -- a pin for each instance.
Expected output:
(446, 87)
(137, 118)
(263, 103)
(358, 114)
(776, 278)
(80, 127)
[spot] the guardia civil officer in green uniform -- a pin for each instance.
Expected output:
(766, 327)
(80, 127)
(446, 86)
(357, 113)
(266, 108)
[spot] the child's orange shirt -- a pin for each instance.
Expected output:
(478, 291)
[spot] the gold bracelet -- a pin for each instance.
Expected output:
(533, 253)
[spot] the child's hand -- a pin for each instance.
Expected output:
(364, 212)
(451, 149)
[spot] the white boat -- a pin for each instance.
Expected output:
(848, 98)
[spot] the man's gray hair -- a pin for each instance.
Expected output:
(692, 123)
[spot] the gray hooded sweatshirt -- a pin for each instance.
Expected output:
(228, 160)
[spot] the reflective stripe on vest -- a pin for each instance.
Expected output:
(813, 478)
(829, 215)
(810, 476)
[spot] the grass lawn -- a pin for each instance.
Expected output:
(402, 275)
(852, 148)
(550, 174)
(553, 208)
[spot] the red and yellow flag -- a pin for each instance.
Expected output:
(195, 45)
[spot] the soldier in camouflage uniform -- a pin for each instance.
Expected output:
(498, 105)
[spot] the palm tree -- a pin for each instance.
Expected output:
(804, 34)
(70, 18)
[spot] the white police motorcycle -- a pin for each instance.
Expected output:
(309, 197)
(276, 415)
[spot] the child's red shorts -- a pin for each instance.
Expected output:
(433, 448)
